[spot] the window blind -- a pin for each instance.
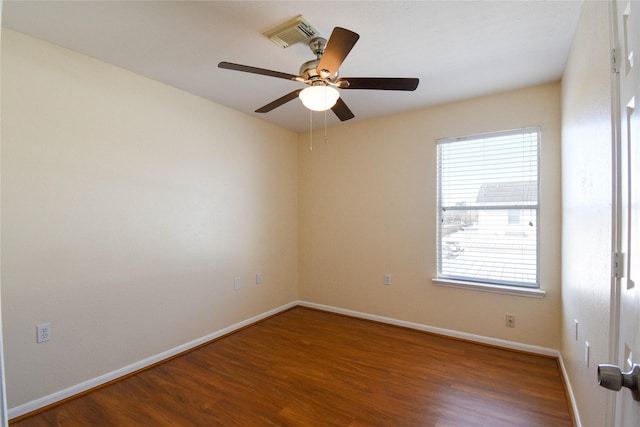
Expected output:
(488, 207)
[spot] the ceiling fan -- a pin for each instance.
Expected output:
(321, 76)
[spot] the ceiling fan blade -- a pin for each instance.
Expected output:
(278, 102)
(256, 70)
(342, 111)
(338, 47)
(379, 83)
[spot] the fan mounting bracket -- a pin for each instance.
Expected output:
(317, 45)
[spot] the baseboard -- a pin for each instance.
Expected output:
(58, 396)
(570, 395)
(466, 336)
(119, 373)
(440, 331)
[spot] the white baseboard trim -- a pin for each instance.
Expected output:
(440, 331)
(118, 373)
(34, 405)
(466, 336)
(572, 398)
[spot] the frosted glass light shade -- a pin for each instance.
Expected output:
(319, 98)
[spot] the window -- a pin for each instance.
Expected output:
(488, 208)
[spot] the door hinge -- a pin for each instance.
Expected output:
(618, 264)
(614, 61)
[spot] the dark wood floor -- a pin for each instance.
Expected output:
(305, 367)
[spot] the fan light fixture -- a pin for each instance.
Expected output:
(319, 98)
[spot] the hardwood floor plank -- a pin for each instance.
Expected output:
(306, 367)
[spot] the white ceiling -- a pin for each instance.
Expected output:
(458, 49)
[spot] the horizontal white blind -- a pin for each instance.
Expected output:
(488, 207)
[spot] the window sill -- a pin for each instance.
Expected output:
(485, 287)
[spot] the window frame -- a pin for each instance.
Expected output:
(514, 287)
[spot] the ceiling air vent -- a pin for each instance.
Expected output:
(291, 32)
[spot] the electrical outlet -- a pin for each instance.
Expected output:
(387, 279)
(510, 321)
(236, 283)
(43, 332)
(259, 279)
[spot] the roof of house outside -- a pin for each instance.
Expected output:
(508, 192)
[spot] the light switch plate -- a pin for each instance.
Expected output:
(587, 350)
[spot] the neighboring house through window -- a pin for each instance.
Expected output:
(488, 208)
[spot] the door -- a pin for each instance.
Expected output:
(626, 34)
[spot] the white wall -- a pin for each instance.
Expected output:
(367, 208)
(3, 394)
(586, 221)
(128, 207)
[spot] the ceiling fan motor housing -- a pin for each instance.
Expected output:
(309, 70)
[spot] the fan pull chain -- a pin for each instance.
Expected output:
(310, 130)
(325, 127)
(325, 116)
